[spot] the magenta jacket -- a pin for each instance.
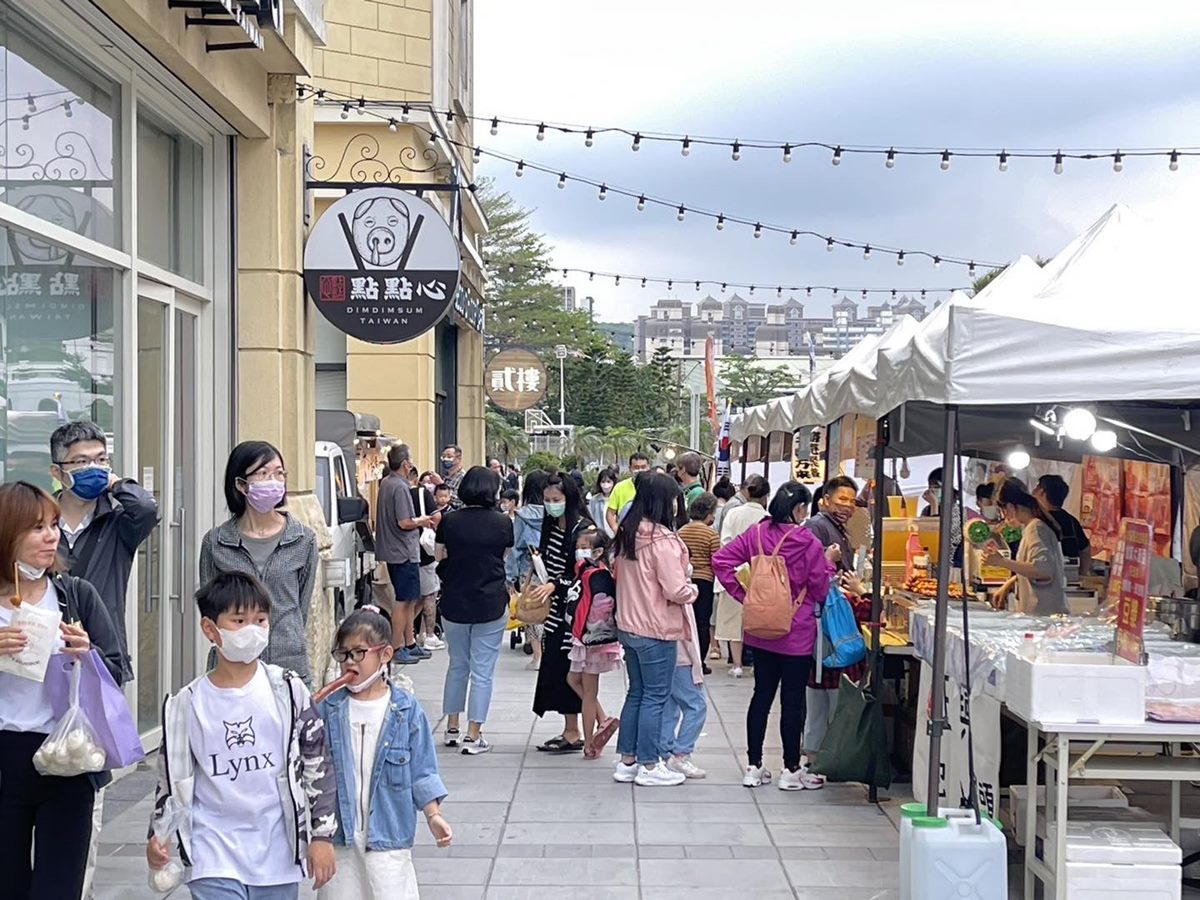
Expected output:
(806, 566)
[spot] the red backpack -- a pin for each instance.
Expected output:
(770, 606)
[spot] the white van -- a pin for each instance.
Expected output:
(344, 509)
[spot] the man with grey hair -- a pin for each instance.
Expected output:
(398, 545)
(690, 467)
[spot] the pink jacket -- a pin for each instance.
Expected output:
(653, 589)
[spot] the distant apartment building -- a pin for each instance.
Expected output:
(748, 328)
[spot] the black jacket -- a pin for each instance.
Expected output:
(103, 552)
(79, 602)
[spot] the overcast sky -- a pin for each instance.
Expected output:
(1007, 74)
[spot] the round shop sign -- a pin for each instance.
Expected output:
(382, 265)
(515, 380)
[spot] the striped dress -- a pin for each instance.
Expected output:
(552, 693)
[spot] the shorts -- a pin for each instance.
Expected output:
(729, 619)
(429, 580)
(406, 581)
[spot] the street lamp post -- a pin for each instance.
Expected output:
(560, 352)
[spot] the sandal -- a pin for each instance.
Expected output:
(560, 744)
(605, 732)
(590, 751)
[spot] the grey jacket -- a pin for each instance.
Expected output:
(103, 552)
(308, 797)
(289, 575)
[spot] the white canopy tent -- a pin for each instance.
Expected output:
(853, 388)
(810, 407)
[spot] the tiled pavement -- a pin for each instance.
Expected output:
(528, 825)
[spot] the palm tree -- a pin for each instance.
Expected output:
(504, 440)
(621, 442)
(588, 444)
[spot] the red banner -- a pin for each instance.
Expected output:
(1147, 497)
(1129, 586)
(710, 379)
(1100, 503)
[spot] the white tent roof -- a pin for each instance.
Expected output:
(810, 406)
(854, 389)
(1109, 318)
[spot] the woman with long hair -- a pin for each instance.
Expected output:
(654, 591)
(261, 538)
(605, 482)
(1038, 574)
(565, 520)
(781, 665)
(43, 818)
(527, 538)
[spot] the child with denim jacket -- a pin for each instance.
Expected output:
(386, 768)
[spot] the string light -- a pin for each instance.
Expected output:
(682, 212)
(757, 230)
(392, 125)
(937, 262)
(637, 143)
(795, 237)
(405, 113)
(589, 138)
(867, 252)
(900, 258)
(603, 192)
(521, 168)
(1058, 163)
(686, 148)
(433, 138)
(1003, 161)
(541, 132)
(890, 161)
(641, 204)
(362, 106)
(1173, 165)
(25, 123)
(787, 153)
(737, 151)
(476, 155)
(345, 110)
(837, 156)
(617, 281)
(971, 269)
(1118, 165)
(562, 181)
(31, 104)
(945, 160)
(67, 111)
(495, 129)
(721, 222)
(829, 244)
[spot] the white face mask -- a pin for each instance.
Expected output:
(991, 513)
(28, 572)
(365, 683)
(583, 555)
(244, 645)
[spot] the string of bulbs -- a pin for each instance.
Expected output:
(512, 267)
(64, 106)
(735, 146)
(363, 107)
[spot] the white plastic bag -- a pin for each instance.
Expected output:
(428, 535)
(170, 876)
(71, 748)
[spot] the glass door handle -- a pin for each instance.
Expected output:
(177, 527)
(148, 596)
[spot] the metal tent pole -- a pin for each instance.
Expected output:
(881, 438)
(937, 716)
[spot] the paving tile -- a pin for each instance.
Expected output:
(546, 872)
(661, 851)
(693, 833)
(444, 870)
(592, 892)
(714, 893)
(574, 833)
(817, 836)
(748, 877)
(671, 813)
(837, 873)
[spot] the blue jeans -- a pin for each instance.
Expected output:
(686, 697)
(473, 650)
(228, 889)
(650, 665)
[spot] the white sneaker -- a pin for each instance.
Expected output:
(735, 672)
(433, 642)
(685, 767)
(810, 780)
(755, 777)
(791, 781)
(623, 773)
(659, 776)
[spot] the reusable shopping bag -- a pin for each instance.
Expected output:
(842, 642)
(102, 701)
(855, 745)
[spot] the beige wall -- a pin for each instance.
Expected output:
(378, 48)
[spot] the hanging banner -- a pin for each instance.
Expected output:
(1147, 497)
(1100, 503)
(723, 446)
(515, 380)
(382, 265)
(1129, 586)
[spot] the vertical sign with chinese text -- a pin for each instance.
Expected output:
(1129, 586)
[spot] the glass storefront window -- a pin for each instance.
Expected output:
(57, 350)
(170, 209)
(60, 135)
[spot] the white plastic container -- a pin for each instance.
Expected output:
(1092, 796)
(908, 812)
(954, 858)
(1117, 862)
(1074, 688)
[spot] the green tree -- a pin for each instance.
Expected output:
(505, 441)
(748, 385)
(588, 444)
(524, 307)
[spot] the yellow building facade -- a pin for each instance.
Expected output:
(412, 60)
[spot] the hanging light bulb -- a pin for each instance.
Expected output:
(643, 282)
(1118, 161)
(867, 252)
(564, 273)
(432, 138)
(682, 212)
(476, 154)
(922, 293)
(495, 129)
(25, 123)
(787, 153)
(362, 106)
(795, 237)
(616, 281)
(890, 159)
(945, 160)
(900, 258)
(1079, 424)
(404, 113)
(1104, 440)
(721, 222)
(589, 138)
(345, 110)
(697, 285)
(1003, 161)
(637, 142)
(641, 204)
(30, 101)
(1058, 163)
(1018, 460)
(724, 287)
(737, 151)
(808, 292)
(392, 125)
(937, 262)
(1173, 165)
(670, 285)
(591, 276)
(603, 195)
(541, 132)
(521, 169)
(757, 229)
(971, 269)
(837, 156)
(864, 295)
(562, 181)
(67, 111)
(893, 294)
(779, 292)
(829, 245)
(686, 147)
(751, 290)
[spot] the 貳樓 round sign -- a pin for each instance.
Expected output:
(382, 265)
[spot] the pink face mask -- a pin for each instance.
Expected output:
(264, 496)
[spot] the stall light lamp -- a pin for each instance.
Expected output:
(1018, 460)
(1042, 427)
(1104, 440)
(1079, 424)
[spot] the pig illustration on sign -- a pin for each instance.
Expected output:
(380, 230)
(50, 208)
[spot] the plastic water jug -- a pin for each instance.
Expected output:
(908, 812)
(955, 859)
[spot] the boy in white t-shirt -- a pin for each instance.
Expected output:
(231, 740)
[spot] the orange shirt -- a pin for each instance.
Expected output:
(702, 542)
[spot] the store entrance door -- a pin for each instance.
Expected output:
(165, 626)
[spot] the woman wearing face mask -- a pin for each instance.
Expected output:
(56, 811)
(989, 510)
(565, 520)
(262, 539)
(1038, 574)
(379, 738)
(605, 482)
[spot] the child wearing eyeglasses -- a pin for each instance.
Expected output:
(386, 766)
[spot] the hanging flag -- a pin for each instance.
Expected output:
(723, 446)
(812, 353)
(710, 378)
